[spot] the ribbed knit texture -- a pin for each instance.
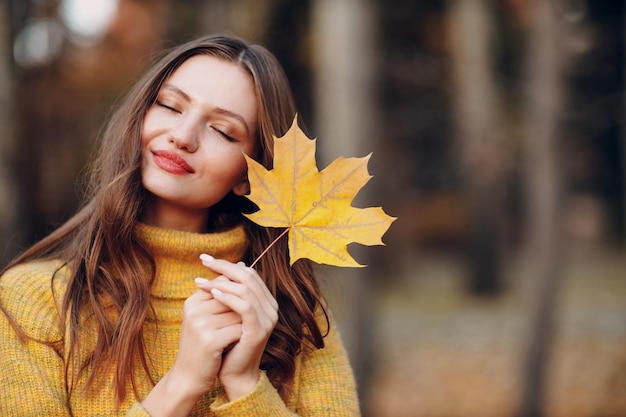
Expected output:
(32, 381)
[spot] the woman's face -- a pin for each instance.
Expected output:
(193, 140)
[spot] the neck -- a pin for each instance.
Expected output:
(161, 214)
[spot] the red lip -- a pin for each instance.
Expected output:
(171, 162)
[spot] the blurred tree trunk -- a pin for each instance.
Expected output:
(246, 18)
(344, 58)
(623, 216)
(9, 198)
(475, 102)
(545, 55)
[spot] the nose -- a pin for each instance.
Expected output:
(184, 135)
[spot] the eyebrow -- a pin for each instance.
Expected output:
(218, 110)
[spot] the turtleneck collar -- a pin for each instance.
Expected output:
(177, 253)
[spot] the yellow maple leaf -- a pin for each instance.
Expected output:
(313, 206)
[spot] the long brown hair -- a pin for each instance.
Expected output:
(107, 261)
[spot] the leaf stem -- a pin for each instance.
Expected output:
(270, 245)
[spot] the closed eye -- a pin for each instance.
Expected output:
(165, 106)
(225, 136)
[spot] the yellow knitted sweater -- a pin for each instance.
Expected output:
(32, 381)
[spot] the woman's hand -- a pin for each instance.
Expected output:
(209, 328)
(242, 291)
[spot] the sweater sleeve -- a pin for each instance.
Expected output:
(32, 381)
(325, 387)
(32, 371)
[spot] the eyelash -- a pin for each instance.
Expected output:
(160, 103)
(225, 136)
(221, 133)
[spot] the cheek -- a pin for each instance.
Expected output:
(239, 168)
(147, 129)
(236, 171)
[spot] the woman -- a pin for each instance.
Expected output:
(142, 303)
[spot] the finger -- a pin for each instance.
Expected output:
(223, 320)
(206, 284)
(250, 299)
(260, 285)
(229, 336)
(200, 295)
(243, 274)
(218, 340)
(239, 298)
(261, 305)
(251, 283)
(234, 271)
(204, 303)
(257, 319)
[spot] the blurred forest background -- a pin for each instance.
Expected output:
(498, 140)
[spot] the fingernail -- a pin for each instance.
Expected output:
(201, 281)
(216, 292)
(206, 258)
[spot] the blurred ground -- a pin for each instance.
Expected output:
(442, 353)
